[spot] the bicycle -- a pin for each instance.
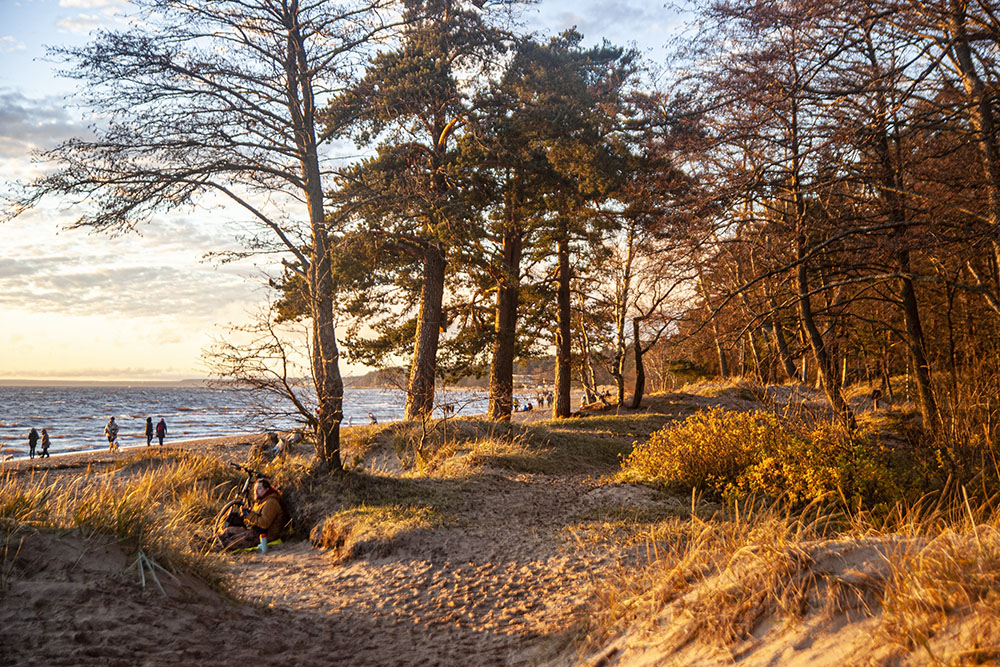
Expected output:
(231, 513)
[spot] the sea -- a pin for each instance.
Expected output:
(74, 416)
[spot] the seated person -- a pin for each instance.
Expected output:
(266, 518)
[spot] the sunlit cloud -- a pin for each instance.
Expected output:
(81, 23)
(10, 44)
(68, 286)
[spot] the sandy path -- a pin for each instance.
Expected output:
(486, 589)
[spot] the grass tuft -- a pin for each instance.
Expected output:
(159, 504)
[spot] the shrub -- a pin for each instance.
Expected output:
(735, 455)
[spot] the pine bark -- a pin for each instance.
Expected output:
(640, 369)
(420, 389)
(561, 407)
(325, 355)
(501, 385)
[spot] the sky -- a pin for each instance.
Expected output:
(144, 305)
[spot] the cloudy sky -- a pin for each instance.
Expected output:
(142, 306)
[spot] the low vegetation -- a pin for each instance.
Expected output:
(736, 454)
(157, 504)
(927, 578)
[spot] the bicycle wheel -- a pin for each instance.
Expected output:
(220, 522)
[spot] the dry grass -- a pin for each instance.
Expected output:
(757, 550)
(929, 577)
(464, 447)
(371, 532)
(159, 504)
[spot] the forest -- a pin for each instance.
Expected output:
(798, 191)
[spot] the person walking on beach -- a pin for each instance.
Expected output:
(111, 431)
(149, 431)
(32, 442)
(161, 430)
(45, 445)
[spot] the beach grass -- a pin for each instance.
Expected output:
(928, 580)
(158, 503)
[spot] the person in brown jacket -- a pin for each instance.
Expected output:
(267, 517)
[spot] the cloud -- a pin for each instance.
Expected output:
(622, 22)
(81, 23)
(29, 124)
(88, 4)
(104, 286)
(102, 13)
(10, 44)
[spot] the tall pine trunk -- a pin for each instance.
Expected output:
(640, 368)
(325, 355)
(561, 407)
(501, 387)
(420, 389)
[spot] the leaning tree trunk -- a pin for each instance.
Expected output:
(826, 372)
(325, 356)
(420, 389)
(640, 369)
(892, 189)
(561, 407)
(501, 387)
(825, 369)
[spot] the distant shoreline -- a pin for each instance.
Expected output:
(102, 383)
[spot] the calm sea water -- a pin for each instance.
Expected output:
(75, 416)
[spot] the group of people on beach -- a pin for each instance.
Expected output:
(111, 432)
(33, 439)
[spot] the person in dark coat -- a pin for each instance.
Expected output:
(149, 431)
(111, 431)
(161, 431)
(32, 442)
(45, 444)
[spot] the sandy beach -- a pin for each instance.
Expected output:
(500, 576)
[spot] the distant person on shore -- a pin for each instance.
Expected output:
(111, 431)
(149, 431)
(32, 442)
(371, 418)
(45, 445)
(161, 430)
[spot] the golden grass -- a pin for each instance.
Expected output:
(367, 531)
(159, 504)
(932, 582)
